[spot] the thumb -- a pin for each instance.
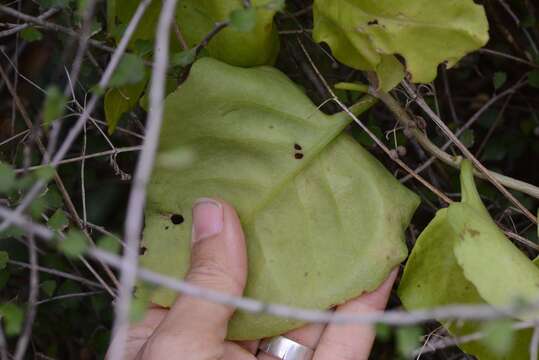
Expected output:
(218, 262)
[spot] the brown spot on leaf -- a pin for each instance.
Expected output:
(373, 22)
(473, 233)
(177, 219)
(298, 156)
(297, 147)
(142, 250)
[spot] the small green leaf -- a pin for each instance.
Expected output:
(499, 79)
(110, 244)
(243, 20)
(130, 70)
(31, 34)
(58, 221)
(4, 278)
(13, 318)
(139, 306)
(183, 58)
(12, 232)
(408, 339)
(38, 207)
(143, 47)
(4, 258)
(7, 178)
(45, 173)
(533, 78)
(119, 101)
(467, 138)
(54, 105)
(499, 336)
(53, 198)
(74, 244)
(48, 287)
(383, 332)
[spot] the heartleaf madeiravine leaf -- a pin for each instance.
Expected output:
(462, 257)
(197, 18)
(365, 33)
(323, 219)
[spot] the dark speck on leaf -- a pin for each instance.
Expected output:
(166, 227)
(473, 232)
(373, 22)
(142, 250)
(306, 274)
(298, 156)
(176, 219)
(297, 146)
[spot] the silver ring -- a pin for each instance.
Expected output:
(285, 349)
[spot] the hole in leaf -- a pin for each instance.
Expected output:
(142, 250)
(298, 156)
(177, 219)
(297, 147)
(373, 22)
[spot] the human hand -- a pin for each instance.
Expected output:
(195, 329)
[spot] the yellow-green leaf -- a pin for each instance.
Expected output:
(324, 220)
(120, 100)
(426, 33)
(462, 257)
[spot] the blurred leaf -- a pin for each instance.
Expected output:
(467, 138)
(13, 318)
(45, 173)
(143, 47)
(139, 306)
(58, 221)
(408, 339)
(38, 207)
(499, 336)
(243, 20)
(53, 198)
(183, 58)
(109, 243)
(119, 101)
(12, 232)
(276, 5)
(31, 34)
(4, 258)
(53, 107)
(54, 3)
(130, 70)
(74, 244)
(533, 78)
(383, 332)
(425, 33)
(48, 287)
(499, 79)
(4, 278)
(7, 178)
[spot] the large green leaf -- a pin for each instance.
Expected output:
(196, 18)
(324, 220)
(363, 33)
(462, 257)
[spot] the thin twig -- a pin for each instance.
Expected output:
(31, 306)
(137, 197)
(69, 296)
(4, 355)
(508, 56)
(47, 14)
(390, 317)
(421, 102)
(58, 273)
(534, 344)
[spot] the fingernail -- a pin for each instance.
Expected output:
(207, 219)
